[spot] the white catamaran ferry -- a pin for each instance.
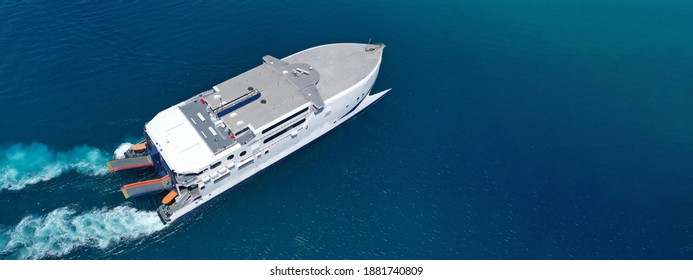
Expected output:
(213, 141)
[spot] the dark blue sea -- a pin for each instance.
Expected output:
(514, 130)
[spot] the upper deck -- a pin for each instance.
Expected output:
(256, 98)
(282, 88)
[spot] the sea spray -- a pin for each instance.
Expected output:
(120, 151)
(63, 230)
(22, 165)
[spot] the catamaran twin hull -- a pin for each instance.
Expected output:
(211, 142)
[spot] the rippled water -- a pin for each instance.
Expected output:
(515, 130)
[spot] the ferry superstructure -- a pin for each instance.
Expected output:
(213, 141)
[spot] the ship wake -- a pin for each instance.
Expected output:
(119, 152)
(64, 230)
(22, 165)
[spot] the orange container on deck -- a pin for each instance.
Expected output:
(169, 197)
(139, 146)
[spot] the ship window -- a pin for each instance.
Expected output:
(242, 130)
(193, 174)
(242, 153)
(215, 164)
(230, 157)
(283, 131)
(284, 120)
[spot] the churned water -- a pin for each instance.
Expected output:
(514, 130)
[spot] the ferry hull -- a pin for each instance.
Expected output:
(215, 140)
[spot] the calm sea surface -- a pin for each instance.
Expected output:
(514, 130)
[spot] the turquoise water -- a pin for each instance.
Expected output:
(514, 130)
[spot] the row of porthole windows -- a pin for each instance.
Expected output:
(231, 156)
(214, 165)
(357, 99)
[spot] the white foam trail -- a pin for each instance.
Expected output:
(120, 151)
(63, 230)
(22, 165)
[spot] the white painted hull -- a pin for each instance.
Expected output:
(338, 110)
